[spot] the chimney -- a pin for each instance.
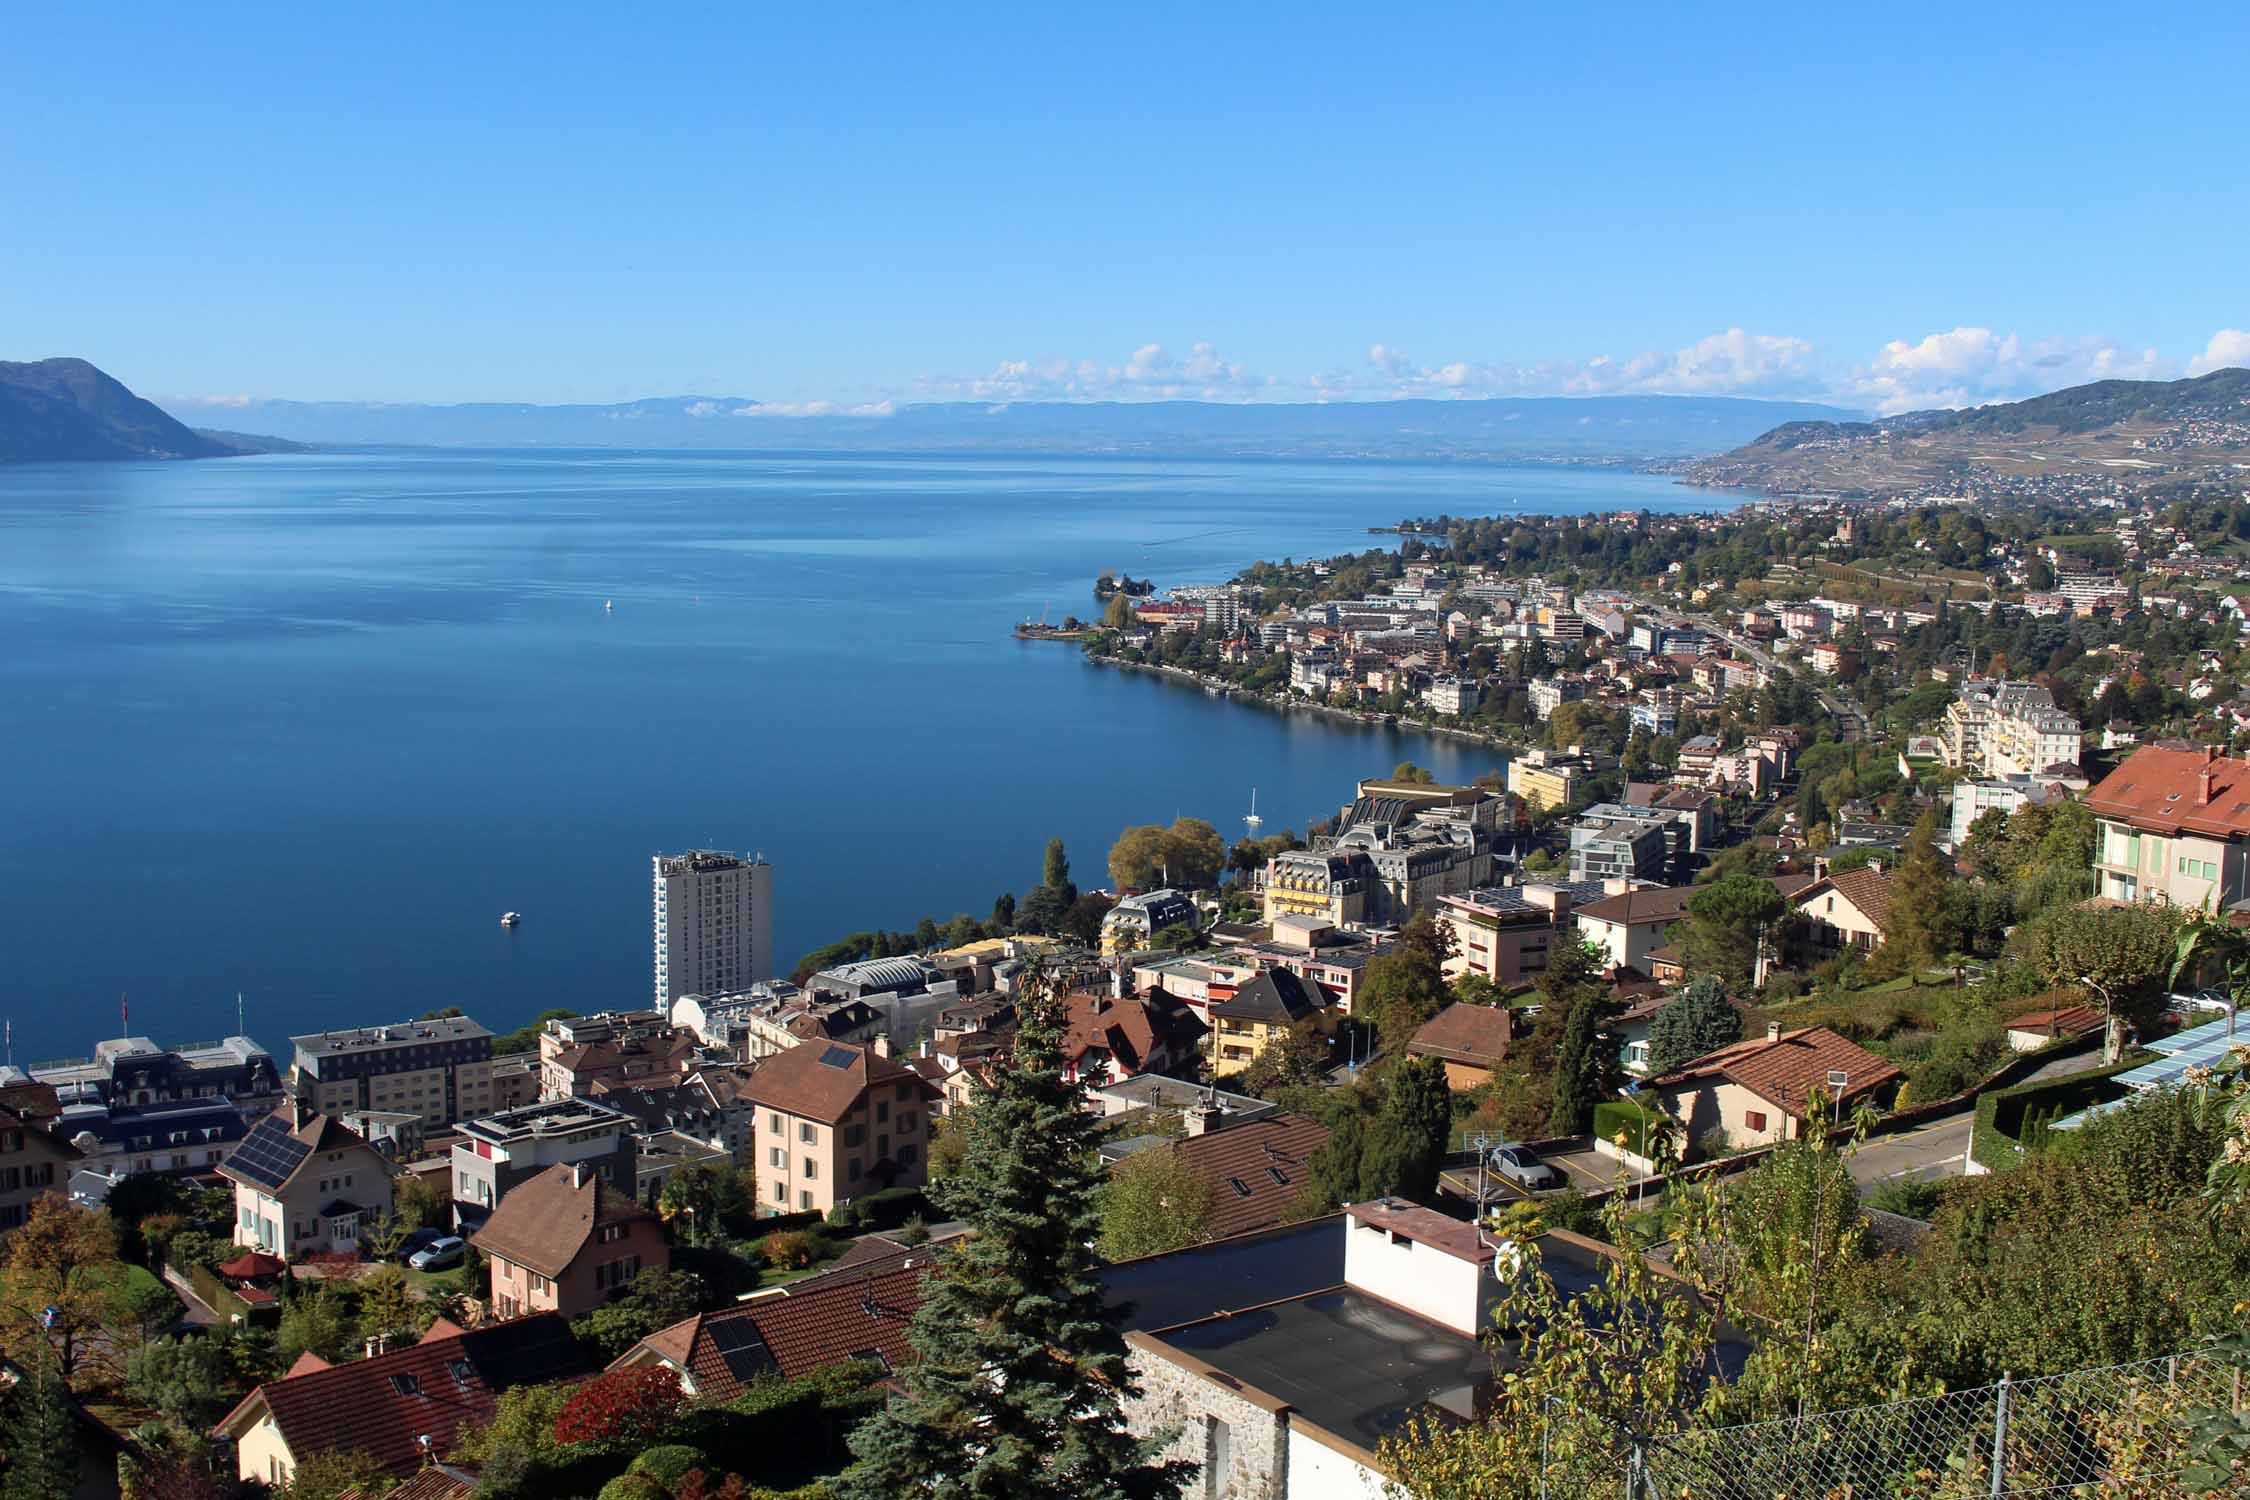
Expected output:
(300, 1112)
(882, 1044)
(1773, 1031)
(1203, 1117)
(580, 1174)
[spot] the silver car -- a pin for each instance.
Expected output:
(439, 1254)
(1521, 1166)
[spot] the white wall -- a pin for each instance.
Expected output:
(1420, 1278)
(1319, 1472)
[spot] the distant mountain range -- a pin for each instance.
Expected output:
(2110, 432)
(1576, 429)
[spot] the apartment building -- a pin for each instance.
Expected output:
(1452, 695)
(1332, 885)
(439, 1069)
(2001, 728)
(836, 1123)
(1504, 932)
(1616, 842)
(32, 1162)
(1550, 693)
(500, 1151)
(713, 923)
(568, 1241)
(133, 1071)
(1135, 921)
(1551, 778)
(2174, 826)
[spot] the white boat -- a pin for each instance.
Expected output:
(608, 605)
(510, 918)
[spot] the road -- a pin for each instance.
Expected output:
(1851, 720)
(1940, 1149)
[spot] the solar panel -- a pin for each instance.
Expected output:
(269, 1154)
(742, 1348)
(839, 1057)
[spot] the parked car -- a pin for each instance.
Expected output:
(445, 1250)
(417, 1242)
(1522, 1166)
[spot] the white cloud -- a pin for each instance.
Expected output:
(226, 401)
(1971, 366)
(1731, 363)
(814, 409)
(2229, 348)
(1150, 372)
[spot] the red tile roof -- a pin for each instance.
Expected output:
(1473, 1034)
(2163, 790)
(808, 1326)
(2073, 1020)
(1138, 1033)
(824, 1080)
(1788, 1069)
(434, 1483)
(1657, 904)
(384, 1406)
(1257, 1170)
(544, 1222)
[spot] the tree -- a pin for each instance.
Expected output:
(42, 1442)
(1152, 1204)
(313, 1323)
(621, 1406)
(705, 1202)
(1700, 1020)
(1188, 855)
(1295, 1058)
(1017, 1388)
(658, 1299)
(1727, 925)
(193, 1381)
(327, 1474)
(2126, 951)
(386, 1304)
(1407, 773)
(1916, 929)
(62, 1257)
(1586, 1070)
(420, 1202)
(1403, 988)
(1406, 1144)
(1055, 871)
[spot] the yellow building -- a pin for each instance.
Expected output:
(1265, 1009)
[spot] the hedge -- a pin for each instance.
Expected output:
(1614, 1115)
(2006, 1117)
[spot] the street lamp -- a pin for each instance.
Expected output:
(2109, 1018)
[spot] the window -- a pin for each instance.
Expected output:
(812, 1168)
(777, 1156)
(1241, 1188)
(804, 1201)
(773, 1124)
(807, 1133)
(781, 1194)
(1754, 1120)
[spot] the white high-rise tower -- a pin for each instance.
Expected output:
(714, 923)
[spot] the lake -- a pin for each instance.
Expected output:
(302, 727)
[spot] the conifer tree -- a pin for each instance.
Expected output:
(41, 1446)
(1585, 1068)
(1916, 931)
(1019, 1375)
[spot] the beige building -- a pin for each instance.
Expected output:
(1261, 1013)
(305, 1184)
(567, 1242)
(1845, 911)
(1504, 932)
(32, 1162)
(1630, 925)
(713, 923)
(440, 1069)
(2174, 826)
(1757, 1093)
(2008, 729)
(836, 1123)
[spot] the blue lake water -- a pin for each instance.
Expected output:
(303, 726)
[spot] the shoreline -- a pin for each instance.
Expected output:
(1219, 687)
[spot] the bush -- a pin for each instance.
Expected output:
(1615, 1116)
(631, 1486)
(2009, 1120)
(1907, 1197)
(789, 1249)
(668, 1462)
(620, 1406)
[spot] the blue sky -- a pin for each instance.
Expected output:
(852, 205)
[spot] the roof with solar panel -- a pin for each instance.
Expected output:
(824, 1080)
(2208, 1046)
(278, 1145)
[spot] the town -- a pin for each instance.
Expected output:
(1827, 1000)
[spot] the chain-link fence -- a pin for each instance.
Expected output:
(2119, 1430)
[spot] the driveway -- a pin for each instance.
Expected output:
(1936, 1150)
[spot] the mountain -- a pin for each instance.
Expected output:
(1578, 429)
(2106, 437)
(65, 409)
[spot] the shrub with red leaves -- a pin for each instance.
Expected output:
(623, 1405)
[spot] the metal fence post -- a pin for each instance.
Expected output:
(2000, 1440)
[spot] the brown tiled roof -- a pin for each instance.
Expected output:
(383, 1406)
(2161, 789)
(1477, 1034)
(1267, 1157)
(1276, 997)
(1132, 1031)
(823, 1080)
(808, 1326)
(33, 1101)
(437, 1482)
(544, 1222)
(2073, 1020)
(1866, 889)
(1788, 1069)
(1658, 904)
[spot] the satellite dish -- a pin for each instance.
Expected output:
(1507, 1260)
